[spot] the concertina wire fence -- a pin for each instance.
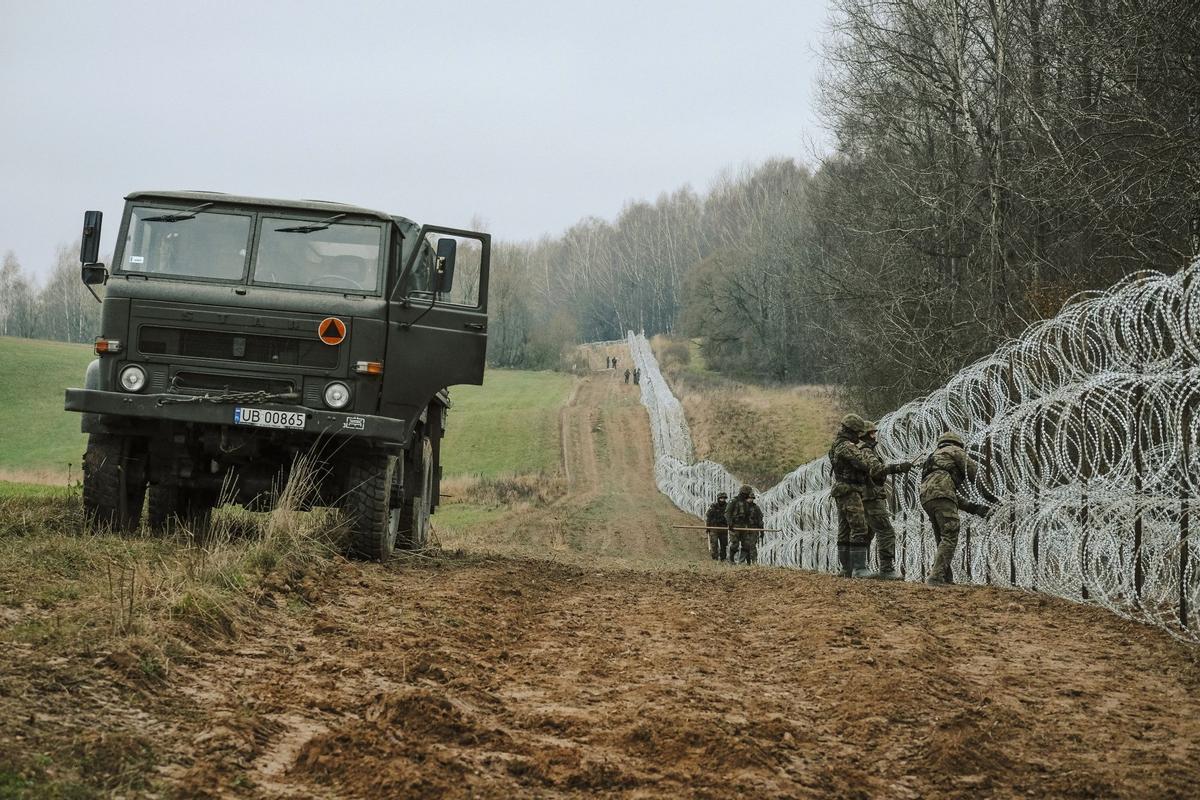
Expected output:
(1086, 432)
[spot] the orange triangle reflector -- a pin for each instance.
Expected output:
(332, 330)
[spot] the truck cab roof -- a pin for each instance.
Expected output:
(320, 206)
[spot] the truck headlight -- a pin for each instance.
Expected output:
(133, 378)
(337, 395)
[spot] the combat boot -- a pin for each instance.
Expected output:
(887, 572)
(844, 568)
(858, 563)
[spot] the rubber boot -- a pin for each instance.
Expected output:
(844, 568)
(858, 563)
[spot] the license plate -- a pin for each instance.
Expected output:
(268, 418)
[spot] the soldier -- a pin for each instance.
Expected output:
(851, 473)
(637, 376)
(875, 504)
(718, 536)
(942, 478)
(743, 513)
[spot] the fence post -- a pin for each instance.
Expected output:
(1034, 581)
(1184, 506)
(1083, 539)
(1136, 455)
(1012, 546)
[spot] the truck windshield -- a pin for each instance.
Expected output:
(341, 257)
(203, 244)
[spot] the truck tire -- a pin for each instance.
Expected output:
(114, 482)
(169, 505)
(368, 504)
(414, 512)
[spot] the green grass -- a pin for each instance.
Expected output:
(16, 489)
(509, 425)
(36, 435)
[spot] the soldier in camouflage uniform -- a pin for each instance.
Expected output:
(743, 513)
(851, 474)
(875, 504)
(718, 535)
(942, 478)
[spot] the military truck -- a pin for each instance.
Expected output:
(239, 333)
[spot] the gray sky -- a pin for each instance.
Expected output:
(530, 115)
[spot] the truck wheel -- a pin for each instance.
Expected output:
(171, 505)
(114, 482)
(414, 513)
(367, 502)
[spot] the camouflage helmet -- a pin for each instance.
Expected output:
(950, 437)
(871, 427)
(722, 496)
(854, 423)
(746, 491)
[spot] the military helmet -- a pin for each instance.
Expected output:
(950, 437)
(746, 490)
(854, 423)
(722, 496)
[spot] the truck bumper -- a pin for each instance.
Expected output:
(157, 407)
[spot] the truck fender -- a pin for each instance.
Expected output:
(90, 423)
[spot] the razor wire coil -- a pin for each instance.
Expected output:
(1088, 438)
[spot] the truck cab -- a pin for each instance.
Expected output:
(241, 337)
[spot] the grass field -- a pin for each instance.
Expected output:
(508, 425)
(760, 433)
(37, 438)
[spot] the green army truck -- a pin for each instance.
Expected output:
(238, 334)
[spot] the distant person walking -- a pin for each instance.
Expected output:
(614, 362)
(741, 514)
(637, 376)
(718, 533)
(943, 476)
(627, 375)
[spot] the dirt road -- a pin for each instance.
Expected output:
(612, 513)
(624, 663)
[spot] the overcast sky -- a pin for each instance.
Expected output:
(530, 115)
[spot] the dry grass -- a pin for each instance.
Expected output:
(510, 491)
(64, 585)
(760, 433)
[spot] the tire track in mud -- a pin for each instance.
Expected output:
(509, 677)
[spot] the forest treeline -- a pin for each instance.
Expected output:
(61, 308)
(989, 159)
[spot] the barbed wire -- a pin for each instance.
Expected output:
(1087, 434)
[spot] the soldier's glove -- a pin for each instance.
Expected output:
(901, 468)
(978, 509)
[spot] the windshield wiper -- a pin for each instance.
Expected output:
(318, 226)
(182, 215)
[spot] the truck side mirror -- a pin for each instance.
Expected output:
(93, 274)
(443, 265)
(89, 244)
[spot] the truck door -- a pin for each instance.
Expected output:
(437, 320)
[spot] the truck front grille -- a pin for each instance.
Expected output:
(245, 347)
(203, 383)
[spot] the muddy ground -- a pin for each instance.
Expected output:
(589, 650)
